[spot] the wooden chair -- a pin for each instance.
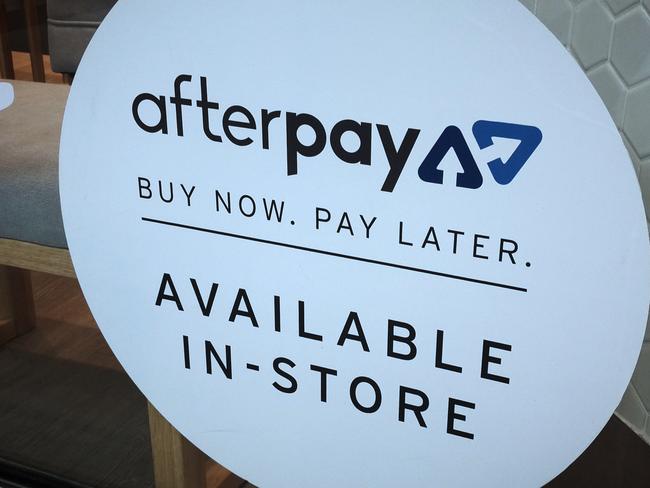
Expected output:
(177, 463)
(32, 23)
(29, 213)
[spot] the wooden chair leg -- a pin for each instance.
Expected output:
(176, 462)
(34, 36)
(6, 63)
(17, 315)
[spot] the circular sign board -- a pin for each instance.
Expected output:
(348, 244)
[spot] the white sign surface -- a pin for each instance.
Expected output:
(6, 95)
(357, 243)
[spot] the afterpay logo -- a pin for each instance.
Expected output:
(241, 127)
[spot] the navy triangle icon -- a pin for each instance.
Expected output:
(451, 138)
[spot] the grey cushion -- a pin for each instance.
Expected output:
(30, 129)
(71, 24)
(67, 44)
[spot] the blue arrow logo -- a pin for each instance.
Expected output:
(529, 137)
(451, 139)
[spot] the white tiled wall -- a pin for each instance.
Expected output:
(610, 39)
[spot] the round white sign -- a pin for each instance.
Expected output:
(357, 243)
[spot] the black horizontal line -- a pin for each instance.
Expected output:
(337, 255)
(253, 367)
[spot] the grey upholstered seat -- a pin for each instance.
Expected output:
(30, 208)
(71, 24)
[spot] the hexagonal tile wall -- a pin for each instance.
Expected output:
(629, 53)
(611, 89)
(592, 28)
(637, 119)
(610, 40)
(557, 16)
(619, 5)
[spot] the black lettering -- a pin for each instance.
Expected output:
(452, 416)
(431, 238)
(478, 246)
(401, 235)
(206, 105)
(186, 351)
(218, 199)
(487, 359)
(272, 208)
(440, 339)
(171, 192)
(353, 319)
(210, 353)
(236, 311)
(345, 224)
(320, 219)
(205, 308)
(510, 252)
(301, 324)
(396, 157)
(407, 339)
(416, 409)
(363, 131)
(188, 195)
(180, 101)
(295, 147)
(455, 233)
(228, 122)
(292, 381)
(353, 394)
(267, 117)
(252, 206)
(323, 379)
(144, 185)
(367, 225)
(161, 125)
(276, 313)
(173, 297)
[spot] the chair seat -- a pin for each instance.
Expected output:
(30, 208)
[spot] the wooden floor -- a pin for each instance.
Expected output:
(66, 405)
(23, 68)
